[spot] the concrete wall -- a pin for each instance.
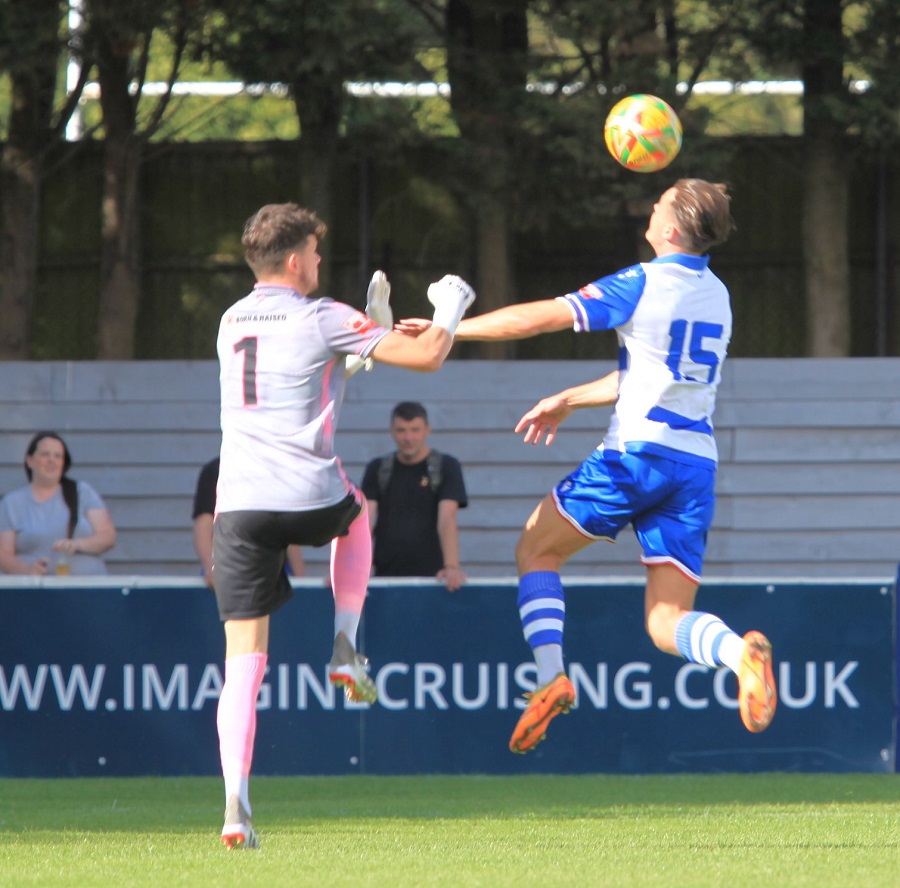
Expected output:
(808, 483)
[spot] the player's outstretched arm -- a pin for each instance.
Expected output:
(545, 417)
(519, 321)
(450, 296)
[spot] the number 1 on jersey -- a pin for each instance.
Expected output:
(248, 347)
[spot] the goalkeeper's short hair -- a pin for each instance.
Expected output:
(274, 231)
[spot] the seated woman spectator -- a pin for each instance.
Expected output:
(53, 524)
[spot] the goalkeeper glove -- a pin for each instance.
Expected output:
(378, 308)
(450, 296)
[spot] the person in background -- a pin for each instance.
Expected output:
(414, 495)
(203, 513)
(54, 523)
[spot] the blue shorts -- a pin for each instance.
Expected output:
(669, 503)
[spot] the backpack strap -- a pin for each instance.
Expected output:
(433, 464)
(434, 461)
(385, 467)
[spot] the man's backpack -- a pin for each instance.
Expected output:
(432, 463)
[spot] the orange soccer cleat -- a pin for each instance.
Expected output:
(554, 698)
(757, 695)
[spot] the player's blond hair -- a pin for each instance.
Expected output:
(274, 231)
(702, 213)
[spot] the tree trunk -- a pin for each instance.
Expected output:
(316, 173)
(319, 101)
(494, 269)
(825, 249)
(32, 79)
(825, 193)
(120, 285)
(19, 180)
(487, 48)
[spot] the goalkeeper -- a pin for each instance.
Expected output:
(282, 355)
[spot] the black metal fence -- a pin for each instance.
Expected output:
(404, 214)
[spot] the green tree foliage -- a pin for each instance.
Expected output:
(872, 49)
(522, 134)
(826, 43)
(313, 48)
(531, 86)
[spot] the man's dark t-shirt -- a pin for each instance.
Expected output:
(205, 494)
(406, 542)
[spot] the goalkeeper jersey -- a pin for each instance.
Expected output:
(672, 317)
(282, 373)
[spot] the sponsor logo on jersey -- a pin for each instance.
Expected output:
(240, 318)
(359, 323)
(591, 291)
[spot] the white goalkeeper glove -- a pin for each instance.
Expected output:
(378, 308)
(450, 296)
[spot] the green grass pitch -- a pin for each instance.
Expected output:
(684, 831)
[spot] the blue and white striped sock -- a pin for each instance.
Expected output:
(704, 638)
(542, 609)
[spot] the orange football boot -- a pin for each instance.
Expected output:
(757, 695)
(554, 698)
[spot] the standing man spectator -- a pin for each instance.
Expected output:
(203, 513)
(283, 356)
(414, 495)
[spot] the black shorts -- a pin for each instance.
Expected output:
(249, 550)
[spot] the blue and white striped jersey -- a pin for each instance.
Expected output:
(672, 317)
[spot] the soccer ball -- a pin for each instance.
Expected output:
(643, 133)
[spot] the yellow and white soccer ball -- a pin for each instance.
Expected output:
(643, 133)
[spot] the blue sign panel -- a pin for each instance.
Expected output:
(125, 681)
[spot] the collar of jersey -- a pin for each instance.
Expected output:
(276, 288)
(695, 263)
